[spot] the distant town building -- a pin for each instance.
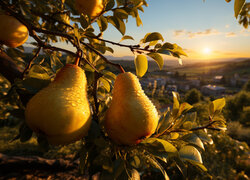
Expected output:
(213, 90)
(217, 79)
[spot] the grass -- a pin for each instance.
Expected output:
(31, 147)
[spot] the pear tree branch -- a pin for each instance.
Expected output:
(207, 126)
(133, 48)
(34, 30)
(28, 66)
(103, 57)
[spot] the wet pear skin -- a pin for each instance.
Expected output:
(61, 110)
(131, 116)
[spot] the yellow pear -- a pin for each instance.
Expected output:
(131, 116)
(61, 110)
(92, 8)
(12, 32)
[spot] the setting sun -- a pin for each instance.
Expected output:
(206, 50)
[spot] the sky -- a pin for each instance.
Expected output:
(205, 30)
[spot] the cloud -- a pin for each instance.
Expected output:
(231, 34)
(179, 33)
(190, 34)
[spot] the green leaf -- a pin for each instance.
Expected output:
(135, 162)
(154, 163)
(164, 122)
(164, 51)
(197, 164)
(110, 5)
(102, 23)
(118, 23)
(126, 37)
(56, 64)
(177, 51)
(204, 137)
(238, 5)
(190, 153)
(37, 71)
(84, 22)
(141, 65)
(176, 104)
(193, 139)
(162, 145)
(184, 107)
(105, 84)
(153, 37)
(167, 45)
(158, 59)
(217, 105)
(121, 13)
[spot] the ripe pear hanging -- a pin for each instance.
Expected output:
(61, 111)
(12, 32)
(131, 116)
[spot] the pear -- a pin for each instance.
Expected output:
(12, 32)
(92, 8)
(131, 116)
(61, 110)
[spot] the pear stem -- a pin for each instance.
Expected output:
(78, 57)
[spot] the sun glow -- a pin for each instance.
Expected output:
(206, 50)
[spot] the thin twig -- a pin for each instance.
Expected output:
(103, 57)
(207, 126)
(51, 18)
(133, 48)
(29, 64)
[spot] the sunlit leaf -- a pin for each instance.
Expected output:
(197, 164)
(126, 37)
(164, 122)
(217, 105)
(158, 59)
(154, 163)
(238, 5)
(184, 107)
(103, 23)
(121, 13)
(153, 37)
(118, 23)
(190, 153)
(37, 71)
(136, 162)
(141, 65)
(204, 136)
(193, 139)
(176, 104)
(163, 145)
(180, 61)
(105, 84)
